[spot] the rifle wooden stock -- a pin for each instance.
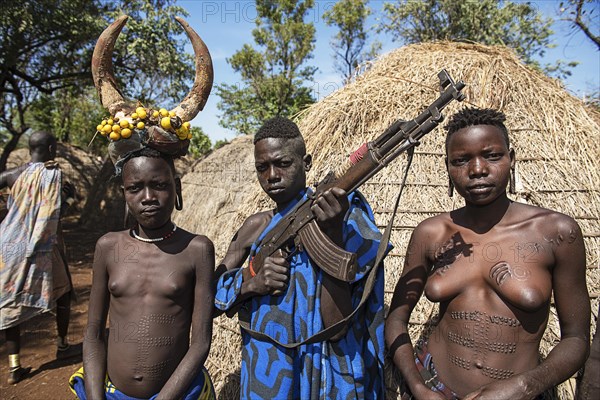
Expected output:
(299, 229)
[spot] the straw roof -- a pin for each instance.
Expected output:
(556, 138)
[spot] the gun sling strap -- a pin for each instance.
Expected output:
(327, 333)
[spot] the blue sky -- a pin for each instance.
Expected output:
(226, 26)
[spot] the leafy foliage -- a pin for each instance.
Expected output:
(150, 58)
(71, 117)
(220, 143)
(582, 17)
(272, 75)
(45, 47)
(199, 143)
(45, 58)
(516, 25)
(349, 43)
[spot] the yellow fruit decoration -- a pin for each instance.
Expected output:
(139, 110)
(99, 127)
(116, 128)
(142, 114)
(110, 121)
(103, 122)
(115, 136)
(189, 136)
(187, 125)
(107, 128)
(134, 116)
(163, 112)
(171, 113)
(155, 114)
(165, 122)
(140, 125)
(126, 133)
(124, 123)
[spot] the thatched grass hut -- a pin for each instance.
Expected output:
(556, 138)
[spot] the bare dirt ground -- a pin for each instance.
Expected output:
(48, 379)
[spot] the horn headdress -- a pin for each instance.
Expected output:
(166, 131)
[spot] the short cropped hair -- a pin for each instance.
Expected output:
(281, 128)
(477, 116)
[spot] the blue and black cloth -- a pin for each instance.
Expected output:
(349, 368)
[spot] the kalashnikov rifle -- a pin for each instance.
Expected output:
(299, 229)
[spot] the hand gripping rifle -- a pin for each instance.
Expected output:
(299, 229)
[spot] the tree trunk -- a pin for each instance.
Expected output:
(9, 147)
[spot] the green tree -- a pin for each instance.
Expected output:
(518, 26)
(272, 75)
(349, 43)
(150, 57)
(582, 17)
(199, 143)
(45, 47)
(72, 115)
(45, 62)
(220, 143)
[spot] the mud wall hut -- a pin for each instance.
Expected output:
(79, 167)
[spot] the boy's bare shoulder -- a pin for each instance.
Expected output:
(257, 220)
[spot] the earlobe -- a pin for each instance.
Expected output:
(512, 182)
(513, 158)
(307, 162)
(178, 195)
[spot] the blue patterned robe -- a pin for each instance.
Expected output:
(351, 368)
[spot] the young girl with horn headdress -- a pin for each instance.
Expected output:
(154, 281)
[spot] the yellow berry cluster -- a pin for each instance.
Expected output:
(116, 128)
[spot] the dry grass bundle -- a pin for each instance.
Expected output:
(556, 138)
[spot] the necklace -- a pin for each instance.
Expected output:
(160, 239)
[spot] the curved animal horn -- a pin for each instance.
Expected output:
(195, 100)
(102, 68)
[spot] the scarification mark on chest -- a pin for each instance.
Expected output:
(147, 343)
(503, 271)
(527, 252)
(555, 241)
(449, 252)
(572, 236)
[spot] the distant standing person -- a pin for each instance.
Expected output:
(493, 265)
(34, 276)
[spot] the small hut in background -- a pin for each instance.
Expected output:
(556, 138)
